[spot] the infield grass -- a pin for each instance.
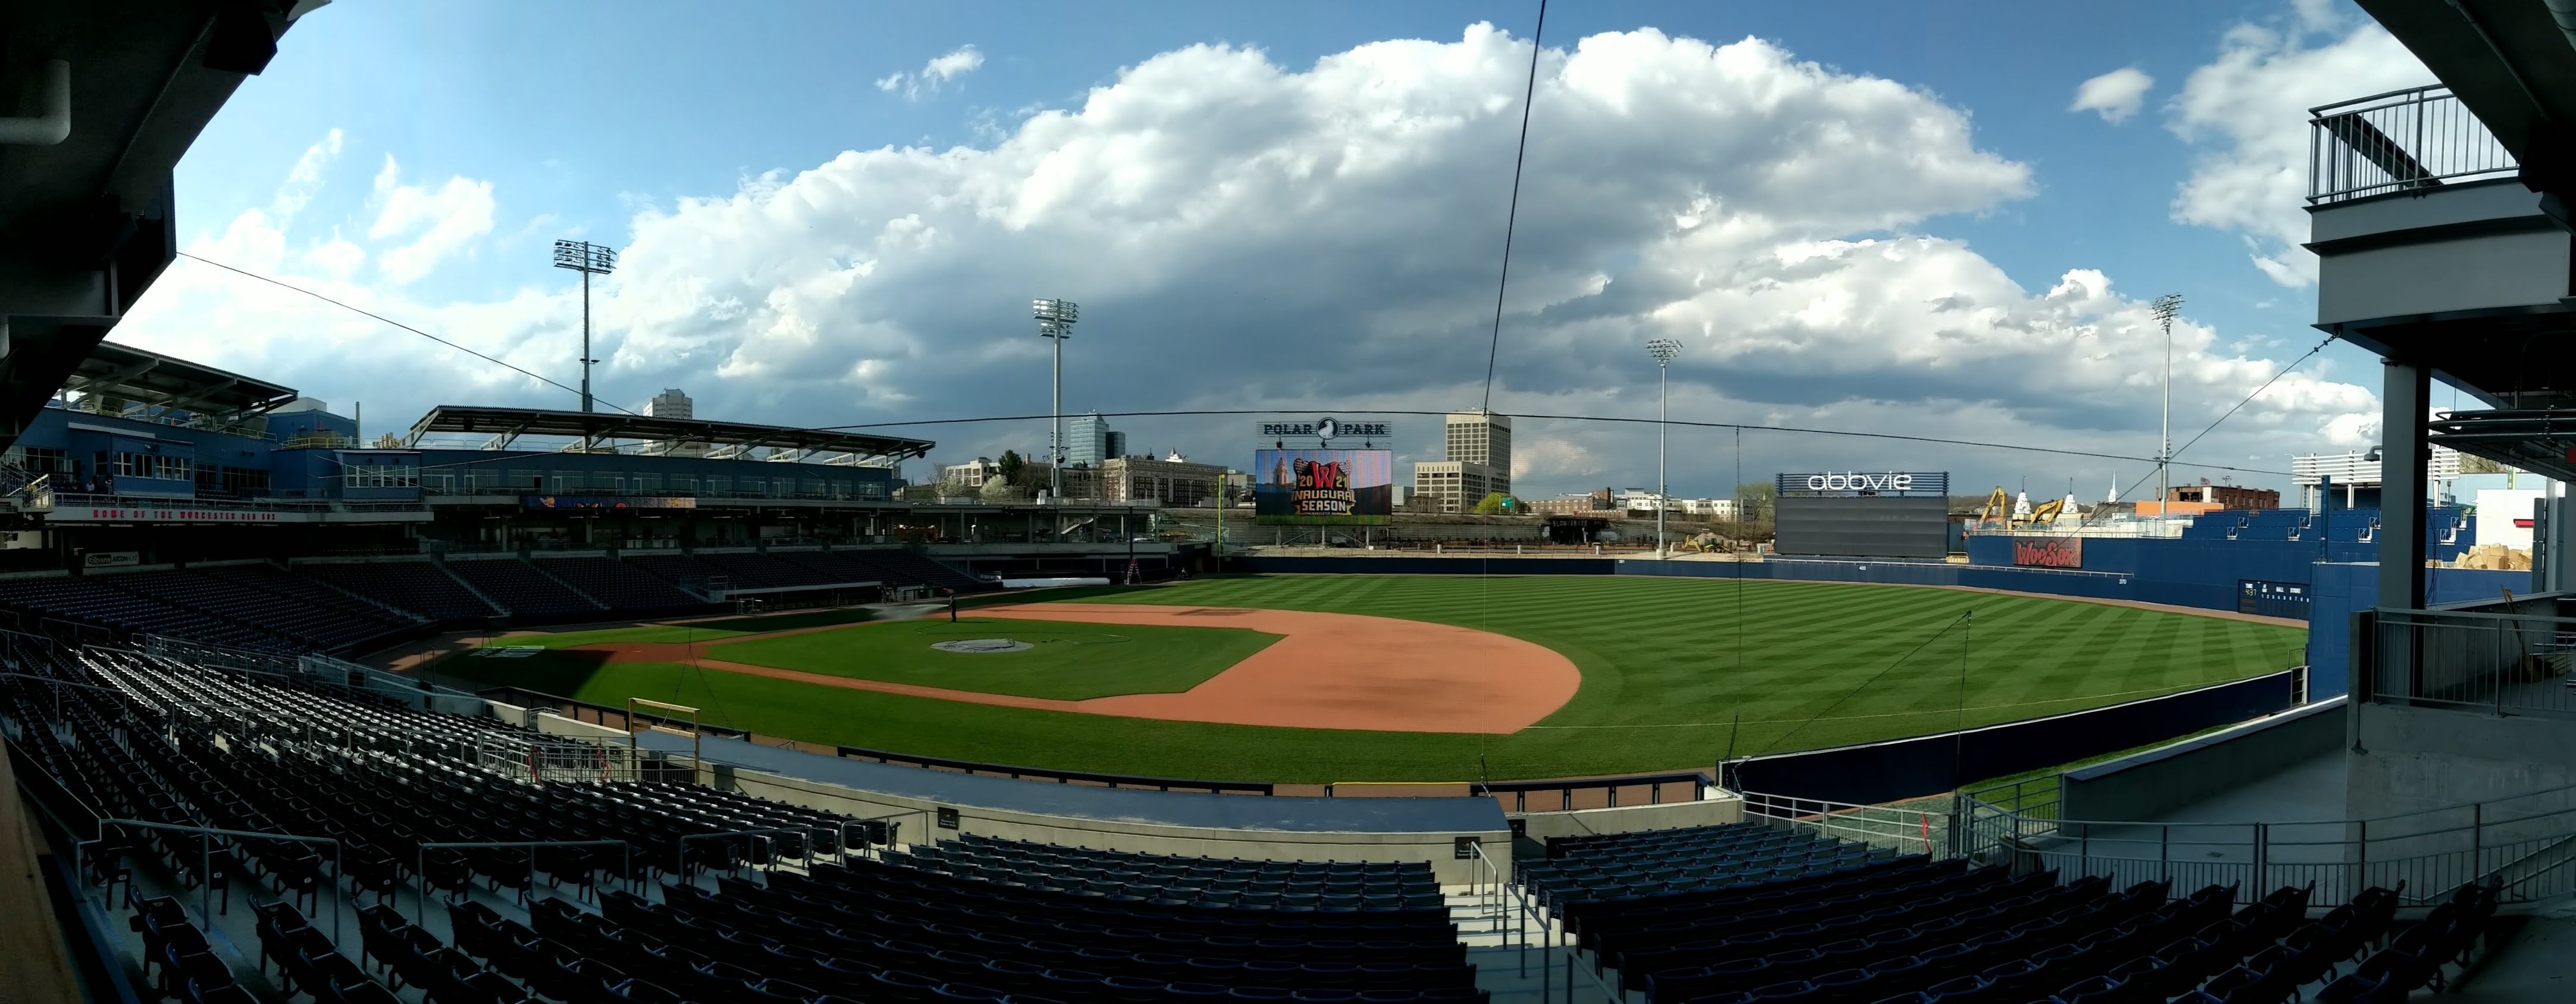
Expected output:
(1065, 660)
(1676, 674)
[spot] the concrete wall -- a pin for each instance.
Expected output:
(554, 724)
(2413, 759)
(2150, 784)
(1720, 807)
(918, 824)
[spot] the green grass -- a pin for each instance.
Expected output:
(1669, 680)
(1065, 661)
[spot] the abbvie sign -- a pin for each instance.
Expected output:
(1856, 482)
(1866, 483)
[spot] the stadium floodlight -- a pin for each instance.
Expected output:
(2165, 307)
(1055, 323)
(588, 259)
(1663, 349)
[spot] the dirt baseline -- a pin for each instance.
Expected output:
(1326, 671)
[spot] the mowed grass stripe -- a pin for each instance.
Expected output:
(1662, 684)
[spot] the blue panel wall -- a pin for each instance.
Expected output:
(2343, 589)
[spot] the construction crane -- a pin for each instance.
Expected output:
(1998, 506)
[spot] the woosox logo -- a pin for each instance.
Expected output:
(1857, 482)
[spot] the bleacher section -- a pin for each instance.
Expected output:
(416, 585)
(339, 626)
(343, 608)
(87, 601)
(624, 587)
(528, 593)
(1744, 913)
(752, 907)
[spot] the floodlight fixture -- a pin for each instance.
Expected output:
(588, 259)
(2165, 307)
(1055, 323)
(1664, 350)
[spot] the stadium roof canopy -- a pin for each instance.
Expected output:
(506, 425)
(100, 100)
(122, 371)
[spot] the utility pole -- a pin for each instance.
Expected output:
(588, 259)
(2166, 307)
(1663, 349)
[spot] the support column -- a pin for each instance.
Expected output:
(2403, 457)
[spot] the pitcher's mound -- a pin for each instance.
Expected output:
(976, 645)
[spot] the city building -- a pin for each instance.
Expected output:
(2356, 476)
(670, 403)
(1091, 443)
(2228, 496)
(1476, 461)
(1597, 500)
(1170, 481)
(970, 474)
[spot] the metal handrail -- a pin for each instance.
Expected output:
(1566, 787)
(1503, 890)
(420, 870)
(2435, 849)
(206, 866)
(2400, 141)
(683, 860)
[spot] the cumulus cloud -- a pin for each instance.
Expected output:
(2115, 95)
(1244, 234)
(439, 223)
(933, 75)
(2247, 111)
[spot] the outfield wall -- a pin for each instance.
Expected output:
(1900, 769)
(1425, 565)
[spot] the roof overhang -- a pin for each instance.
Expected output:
(2509, 62)
(505, 425)
(171, 383)
(86, 222)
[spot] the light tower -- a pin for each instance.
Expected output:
(1663, 349)
(588, 259)
(2166, 307)
(1055, 322)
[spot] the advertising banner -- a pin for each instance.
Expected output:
(608, 502)
(1323, 487)
(2048, 552)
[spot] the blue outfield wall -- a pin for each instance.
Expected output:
(2345, 588)
(1875, 773)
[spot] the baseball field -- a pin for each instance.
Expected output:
(1401, 678)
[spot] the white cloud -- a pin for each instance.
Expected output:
(2248, 112)
(2115, 95)
(933, 75)
(1243, 234)
(445, 220)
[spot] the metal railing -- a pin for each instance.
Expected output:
(2401, 141)
(2502, 664)
(1516, 794)
(2526, 845)
(1918, 830)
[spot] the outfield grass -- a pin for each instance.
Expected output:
(1676, 673)
(1066, 661)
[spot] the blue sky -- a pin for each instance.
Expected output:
(512, 125)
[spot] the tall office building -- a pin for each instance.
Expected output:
(670, 403)
(1477, 461)
(1092, 442)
